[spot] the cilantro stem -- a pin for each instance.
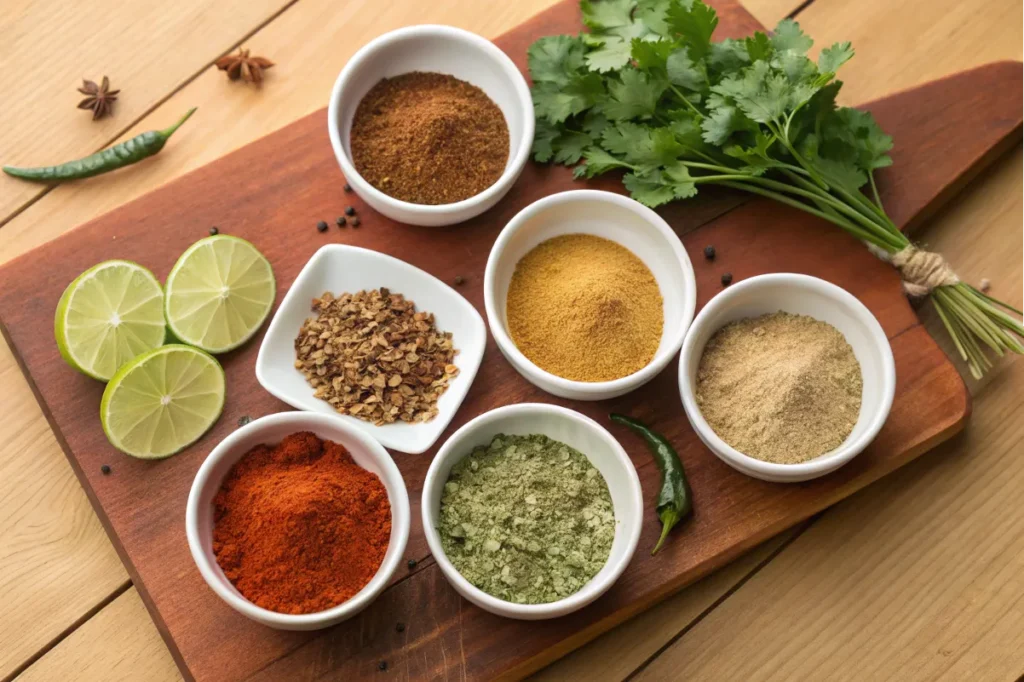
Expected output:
(687, 102)
(874, 191)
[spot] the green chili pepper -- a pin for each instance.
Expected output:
(675, 501)
(128, 152)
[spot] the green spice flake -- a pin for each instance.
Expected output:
(527, 519)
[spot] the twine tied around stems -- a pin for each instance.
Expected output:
(922, 271)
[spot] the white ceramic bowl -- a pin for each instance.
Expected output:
(575, 430)
(366, 452)
(613, 217)
(439, 49)
(340, 268)
(801, 295)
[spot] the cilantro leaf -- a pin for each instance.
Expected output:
(797, 67)
(636, 95)
(543, 140)
(831, 58)
(650, 54)
(728, 55)
(677, 175)
(650, 190)
(759, 47)
(789, 37)
(607, 13)
(613, 54)
(555, 59)
(683, 72)
(720, 124)
(840, 174)
(871, 143)
(640, 146)
(694, 23)
(597, 161)
(654, 15)
(558, 102)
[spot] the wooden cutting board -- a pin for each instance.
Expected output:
(273, 192)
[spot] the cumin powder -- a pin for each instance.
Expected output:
(429, 138)
(781, 388)
(585, 308)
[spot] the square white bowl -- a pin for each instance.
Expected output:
(338, 268)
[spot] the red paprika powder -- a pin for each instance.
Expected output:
(300, 527)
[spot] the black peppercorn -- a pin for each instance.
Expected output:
(400, 627)
(411, 564)
(340, 220)
(726, 279)
(709, 252)
(348, 187)
(354, 222)
(214, 230)
(244, 419)
(350, 210)
(459, 280)
(322, 226)
(383, 665)
(105, 469)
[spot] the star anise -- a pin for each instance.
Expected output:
(99, 99)
(241, 65)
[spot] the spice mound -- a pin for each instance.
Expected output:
(782, 388)
(429, 138)
(373, 356)
(585, 308)
(526, 519)
(300, 527)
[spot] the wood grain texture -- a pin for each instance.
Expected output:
(56, 564)
(492, 353)
(47, 48)
(119, 644)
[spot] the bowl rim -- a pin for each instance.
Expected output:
(822, 464)
(633, 524)
(371, 51)
(522, 363)
(393, 482)
(467, 370)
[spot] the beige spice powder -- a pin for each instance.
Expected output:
(585, 308)
(782, 388)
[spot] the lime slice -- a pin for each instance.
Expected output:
(162, 401)
(110, 313)
(218, 293)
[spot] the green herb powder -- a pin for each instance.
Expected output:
(527, 519)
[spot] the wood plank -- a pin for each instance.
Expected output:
(755, 232)
(119, 644)
(917, 577)
(46, 48)
(56, 563)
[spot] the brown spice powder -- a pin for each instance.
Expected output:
(429, 138)
(585, 308)
(782, 388)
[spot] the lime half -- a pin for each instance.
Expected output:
(110, 313)
(162, 401)
(219, 293)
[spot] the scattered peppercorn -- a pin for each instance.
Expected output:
(400, 627)
(411, 564)
(105, 469)
(244, 419)
(214, 230)
(348, 187)
(709, 252)
(383, 665)
(726, 279)
(322, 226)
(350, 210)
(340, 220)
(459, 279)
(354, 222)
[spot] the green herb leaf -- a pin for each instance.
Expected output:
(555, 59)
(683, 72)
(759, 47)
(831, 58)
(694, 22)
(789, 37)
(635, 96)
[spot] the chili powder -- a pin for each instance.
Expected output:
(429, 138)
(300, 527)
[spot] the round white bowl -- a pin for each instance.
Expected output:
(613, 217)
(801, 295)
(575, 430)
(439, 49)
(365, 451)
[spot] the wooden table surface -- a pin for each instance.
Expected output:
(917, 577)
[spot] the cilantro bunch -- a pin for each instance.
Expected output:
(648, 92)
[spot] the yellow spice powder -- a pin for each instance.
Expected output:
(585, 308)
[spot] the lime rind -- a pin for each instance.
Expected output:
(227, 293)
(162, 401)
(85, 338)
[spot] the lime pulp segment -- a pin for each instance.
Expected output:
(163, 401)
(219, 293)
(109, 314)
